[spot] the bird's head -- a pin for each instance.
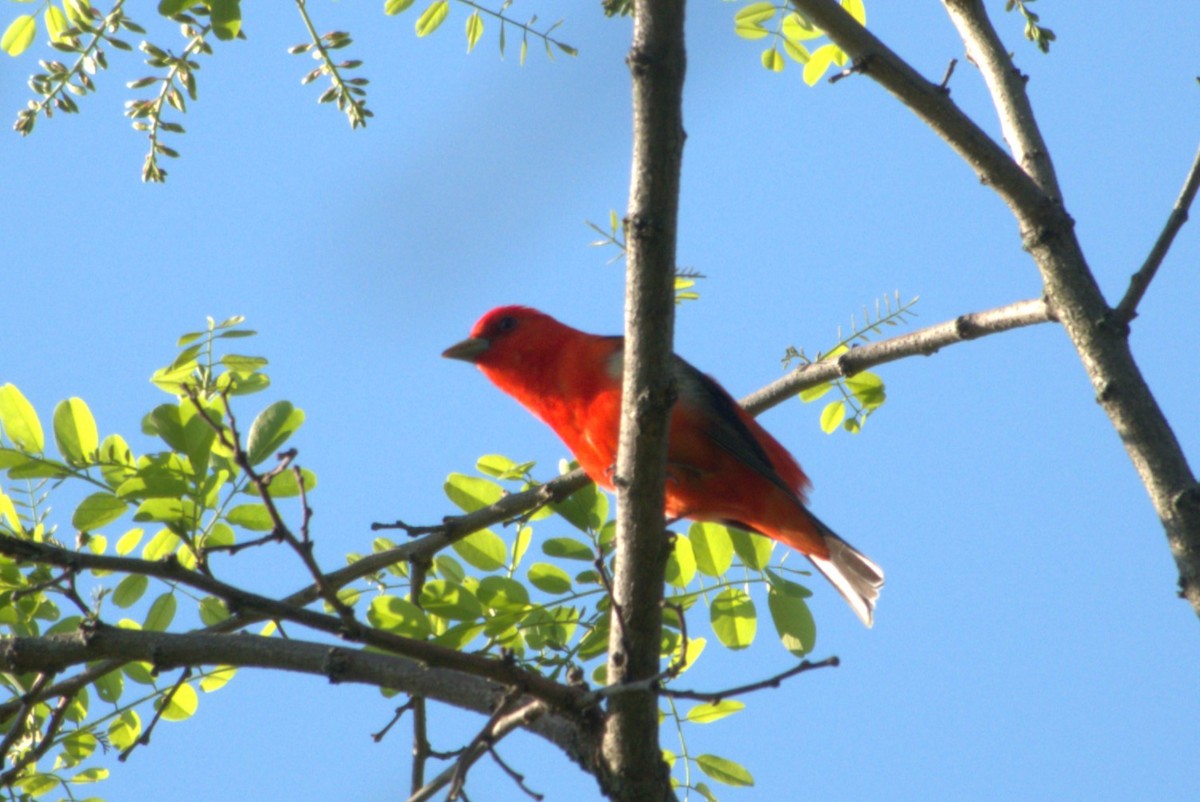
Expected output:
(506, 337)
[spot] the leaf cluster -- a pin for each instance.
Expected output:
(795, 34)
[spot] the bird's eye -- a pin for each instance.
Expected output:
(506, 323)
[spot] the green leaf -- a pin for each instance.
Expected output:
(483, 549)
(129, 541)
(800, 54)
(568, 548)
(797, 29)
(815, 392)
(129, 590)
(458, 636)
(521, 544)
(586, 509)
(399, 616)
(17, 415)
(179, 512)
(35, 785)
(503, 594)
(549, 578)
(472, 493)
(818, 63)
(97, 510)
(755, 12)
(832, 416)
(116, 460)
(217, 678)
(773, 60)
(432, 17)
(856, 9)
(713, 548)
(284, 485)
(681, 563)
(793, 621)
(92, 775)
(110, 687)
(450, 600)
(787, 586)
(724, 771)
(161, 613)
(56, 22)
(125, 729)
(254, 517)
(213, 611)
(709, 712)
(165, 421)
(734, 619)
(271, 429)
(474, 30)
(183, 704)
(226, 16)
(169, 8)
(161, 545)
(753, 549)
(393, 7)
(8, 511)
(868, 389)
(19, 36)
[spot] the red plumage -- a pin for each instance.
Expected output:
(721, 464)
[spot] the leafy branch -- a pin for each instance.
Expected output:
(1034, 32)
(348, 93)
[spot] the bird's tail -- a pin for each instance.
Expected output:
(854, 575)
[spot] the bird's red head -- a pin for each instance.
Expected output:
(505, 337)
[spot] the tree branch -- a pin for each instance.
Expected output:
(633, 768)
(56, 653)
(1047, 233)
(1127, 309)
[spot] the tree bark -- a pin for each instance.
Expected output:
(634, 770)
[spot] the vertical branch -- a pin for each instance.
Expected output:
(421, 749)
(633, 765)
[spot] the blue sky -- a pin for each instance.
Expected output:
(1028, 644)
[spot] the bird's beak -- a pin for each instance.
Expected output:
(468, 350)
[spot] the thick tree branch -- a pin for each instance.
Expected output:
(1127, 309)
(57, 653)
(1047, 232)
(1007, 87)
(557, 695)
(633, 769)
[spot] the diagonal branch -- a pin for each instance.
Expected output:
(1127, 310)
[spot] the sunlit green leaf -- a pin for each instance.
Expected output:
(867, 388)
(432, 17)
(483, 549)
(773, 60)
(254, 517)
(815, 392)
(474, 30)
(271, 429)
(502, 593)
(724, 771)
(549, 578)
(18, 37)
(97, 510)
(161, 613)
(74, 427)
(182, 706)
(734, 619)
(586, 509)
(472, 493)
(681, 563)
(392, 7)
(708, 712)
(449, 599)
(797, 29)
(125, 729)
(856, 9)
(129, 590)
(832, 416)
(226, 16)
(712, 546)
(17, 415)
(820, 61)
(568, 548)
(161, 545)
(793, 621)
(753, 549)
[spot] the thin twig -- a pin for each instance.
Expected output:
(144, 738)
(1126, 311)
(57, 719)
(29, 700)
(421, 748)
(399, 714)
(655, 684)
(945, 84)
(516, 776)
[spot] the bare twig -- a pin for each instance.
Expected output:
(655, 684)
(511, 714)
(144, 738)
(28, 701)
(399, 714)
(945, 84)
(516, 776)
(421, 749)
(1126, 311)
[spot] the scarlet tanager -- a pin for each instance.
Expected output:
(721, 464)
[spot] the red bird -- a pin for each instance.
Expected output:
(721, 464)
